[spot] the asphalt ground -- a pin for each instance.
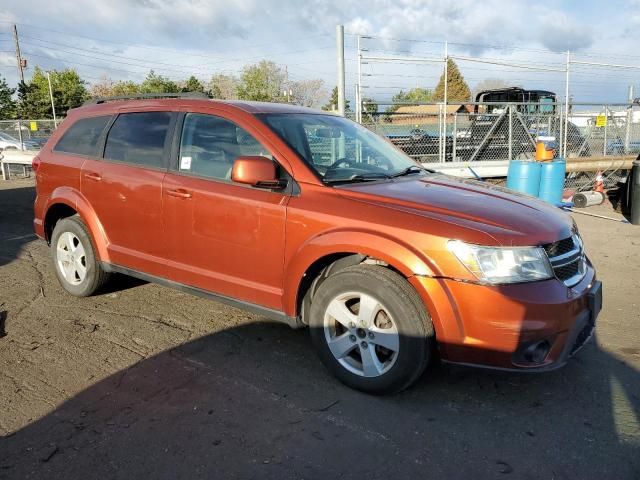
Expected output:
(142, 381)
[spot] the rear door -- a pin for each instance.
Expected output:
(125, 188)
(221, 236)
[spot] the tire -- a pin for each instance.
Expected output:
(78, 270)
(396, 338)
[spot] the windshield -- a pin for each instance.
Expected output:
(340, 150)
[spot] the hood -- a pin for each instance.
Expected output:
(509, 217)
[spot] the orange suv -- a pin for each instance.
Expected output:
(308, 218)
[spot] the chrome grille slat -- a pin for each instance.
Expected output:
(567, 259)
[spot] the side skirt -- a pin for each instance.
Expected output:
(270, 313)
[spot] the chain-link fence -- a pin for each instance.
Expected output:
(28, 135)
(594, 137)
(599, 137)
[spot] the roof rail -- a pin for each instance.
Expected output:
(144, 96)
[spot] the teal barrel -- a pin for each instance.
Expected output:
(552, 181)
(524, 176)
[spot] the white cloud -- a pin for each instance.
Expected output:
(204, 36)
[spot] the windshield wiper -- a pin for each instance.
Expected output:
(358, 178)
(410, 170)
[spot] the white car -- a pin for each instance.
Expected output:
(7, 142)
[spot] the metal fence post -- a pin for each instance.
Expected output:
(627, 129)
(606, 123)
(454, 136)
(20, 134)
(510, 107)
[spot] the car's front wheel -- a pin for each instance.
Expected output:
(74, 258)
(371, 329)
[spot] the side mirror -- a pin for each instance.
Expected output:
(259, 172)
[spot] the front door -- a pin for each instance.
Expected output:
(221, 236)
(125, 189)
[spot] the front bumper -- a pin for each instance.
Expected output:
(496, 326)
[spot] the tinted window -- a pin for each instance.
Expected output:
(138, 138)
(210, 144)
(82, 137)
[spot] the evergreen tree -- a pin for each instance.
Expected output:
(457, 88)
(7, 103)
(333, 102)
(193, 85)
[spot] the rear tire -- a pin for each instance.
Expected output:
(74, 259)
(371, 329)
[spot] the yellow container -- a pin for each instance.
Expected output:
(544, 154)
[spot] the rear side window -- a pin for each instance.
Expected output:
(82, 137)
(138, 138)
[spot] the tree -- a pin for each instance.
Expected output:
(7, 103)
(263, 81)
(369, 106)
(68, 89)
(414, 95)
(457, 88)
(333, 102)
(29, 105)
(308, 93)
(193, 85)
(224, 87)
(106, 87)
(155, 83)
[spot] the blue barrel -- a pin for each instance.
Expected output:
(524, 176)
(552, 181)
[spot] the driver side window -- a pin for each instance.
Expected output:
(209, 145)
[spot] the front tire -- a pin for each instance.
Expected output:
(74, 258)
(371, 329)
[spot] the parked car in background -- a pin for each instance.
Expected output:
(7, 142)
(311, 219)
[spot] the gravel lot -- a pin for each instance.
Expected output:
(144, 381)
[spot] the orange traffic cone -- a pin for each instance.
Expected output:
(599, 183)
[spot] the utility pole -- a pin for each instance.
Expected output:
(21, 64)
(359, 85)
(340, 59)
(443, 137)
(53, 106)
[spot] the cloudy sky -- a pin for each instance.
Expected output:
(124, 39)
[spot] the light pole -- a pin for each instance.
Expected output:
(53, 106)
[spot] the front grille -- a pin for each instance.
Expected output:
(567, 259)
(560, 247)
(568, 271)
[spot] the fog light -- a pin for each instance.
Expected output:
(537, 352)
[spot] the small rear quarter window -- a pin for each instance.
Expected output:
(82, 137)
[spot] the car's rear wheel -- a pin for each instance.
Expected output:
(371, 329)
(74, 258)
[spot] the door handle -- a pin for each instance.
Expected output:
(93, 176)
(179, 193)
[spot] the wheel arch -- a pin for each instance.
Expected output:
(344, 248)
(66, 202)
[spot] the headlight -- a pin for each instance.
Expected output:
(498, 265)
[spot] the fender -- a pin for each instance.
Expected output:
(74, 199)
(400, 255)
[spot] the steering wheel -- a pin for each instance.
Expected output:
(347, 163)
